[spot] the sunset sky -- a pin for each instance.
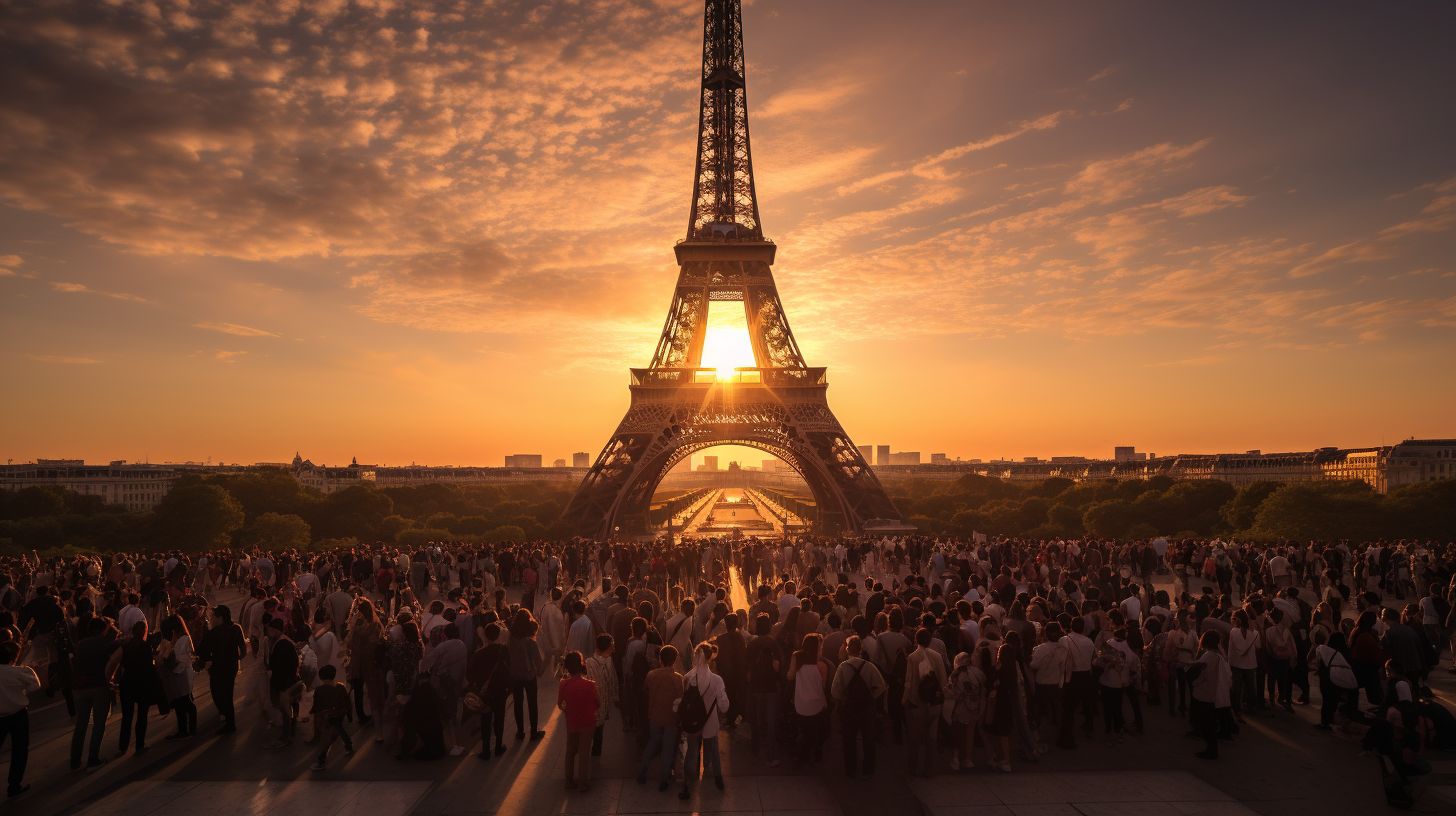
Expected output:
(233, 230)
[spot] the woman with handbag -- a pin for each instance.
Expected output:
(965, 706)
(175, 657)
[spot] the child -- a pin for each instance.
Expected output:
(330, 707)
(578, 698)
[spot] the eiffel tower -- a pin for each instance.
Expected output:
(679, 407)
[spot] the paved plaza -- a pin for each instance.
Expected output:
(1279, 766)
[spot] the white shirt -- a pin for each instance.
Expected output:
(1049, 664)
(1244, 649)
(1079, 652)
(128, 617)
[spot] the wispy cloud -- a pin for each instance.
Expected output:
(228, 356)
(63, 359)
(73, 288)
(235, 329)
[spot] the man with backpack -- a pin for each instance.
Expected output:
(664, 688)
(925, 684)
(859, 690)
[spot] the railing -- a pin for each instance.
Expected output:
(778, 377)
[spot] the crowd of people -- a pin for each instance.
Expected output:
(991, 652)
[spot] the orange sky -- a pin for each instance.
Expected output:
(235, 230)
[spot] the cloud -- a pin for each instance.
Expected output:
(933, 166)
(1108, 180)
(82, 289)
(9, 264)
(235, 329)
(815, 97)
(61, 359)
(228, 356)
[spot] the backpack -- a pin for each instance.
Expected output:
(692, 713)
(857, 695)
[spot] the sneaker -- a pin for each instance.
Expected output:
(500, 749)
(718, 780)
(348, 753)
(319, 766)
(536, 735)
(94, 764)
(685, 794)
(457, 750)
(14, 792)
(955, 764)
(662, 787)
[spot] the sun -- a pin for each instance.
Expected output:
(727, 348)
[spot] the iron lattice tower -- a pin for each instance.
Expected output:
(678, 407)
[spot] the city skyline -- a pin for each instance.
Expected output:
(1100, 226)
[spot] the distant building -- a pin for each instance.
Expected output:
(1420, 460)
(905, 458)
(581, 459)
(1068, 460)
(135, 487)
(882, 454)
(867, 452)
(1128, 453)
(939, 459)
(523, 460)
(710, 464)
(1030, 459)
(558, 463)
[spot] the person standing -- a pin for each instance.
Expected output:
(1205, 676)
(704, 696)
(859, 689)
(765, 662)
(810, 675)
(140, 686)
(488, 673)
(923, 696)
(1081, 687)
(602, 671)
(17, 683)
(525, 663)
(664, 687)
(283, 683)
(97, 657)
(578, 697)
(330, 709)
(1048, 674)
(223, 649)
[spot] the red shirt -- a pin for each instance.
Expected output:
(578, 696)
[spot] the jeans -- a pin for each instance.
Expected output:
(17, 727)
(1046, 708)
(813, 731)
(524, 690)
(661, 739)
(134, 709)
(1081, 693)
(763, 719)
(493, 723)
(332, 729)
(91, 704)
(1245, 690)
(708, 749)
(221, 682)
(186, 710)
(1205, 724)
(921, 737)
(1112, 721)
(859, 740)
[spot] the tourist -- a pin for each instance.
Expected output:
(602, 672)
(488, 673)
(859, 691)
(222, 651)
(17, 683)
(97, 657)
(704, 696)
(664, 688)
(284, 686)
(367, 665)
(1205, 677)
(924, 692)
(330, 709)
(578, 697)
(526, 666)
(766, 667)
(139, 686)
(809, 674)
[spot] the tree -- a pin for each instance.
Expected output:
(34, 502)
(1240, 511)
(358, 511)
(1326, 511)
(276, 531)
(197, 516)
(1425, 510)
(268, 490)
(1109, 519)
(506, 532)
(1066, 518)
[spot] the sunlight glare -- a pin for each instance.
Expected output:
(726, 346)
